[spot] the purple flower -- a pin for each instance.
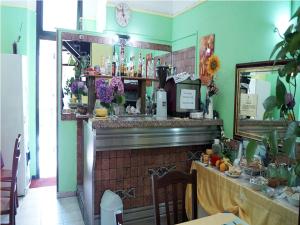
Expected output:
(104, 91)
(78, 87)
(74, 87)
(289, 100)
(117, 85)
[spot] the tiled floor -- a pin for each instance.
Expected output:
(41, 207)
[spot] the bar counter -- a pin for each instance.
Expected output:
(121, 153)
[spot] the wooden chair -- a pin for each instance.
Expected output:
(173, 179)
(9, 201)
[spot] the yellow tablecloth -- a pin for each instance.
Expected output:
(217, 219)
(218, 193)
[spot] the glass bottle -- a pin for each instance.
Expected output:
(143, 68)
(113, 64)
(216, 146)
(140, 65)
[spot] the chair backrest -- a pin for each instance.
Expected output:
(15, 163)
(173, 179)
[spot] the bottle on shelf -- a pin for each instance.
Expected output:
(157, 64)
(113, 64)
(140, 66)
(144, 68)
(107, 66)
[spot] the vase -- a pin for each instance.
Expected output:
(210, 108)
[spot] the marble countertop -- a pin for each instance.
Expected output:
(148, 122)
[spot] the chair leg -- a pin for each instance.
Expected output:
(17, 202)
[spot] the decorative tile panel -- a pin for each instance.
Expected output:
(160, 171)
(130, 193)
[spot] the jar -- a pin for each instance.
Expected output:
(283, 171)
(216, 146)
(272, 170)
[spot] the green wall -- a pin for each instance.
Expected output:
(11, 19)
(243, 33)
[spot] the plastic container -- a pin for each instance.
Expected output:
(111, 205)
(216, 146)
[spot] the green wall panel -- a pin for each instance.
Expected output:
(243, 33)
(10, 22)
(67, 156)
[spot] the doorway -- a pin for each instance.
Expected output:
(47, 109)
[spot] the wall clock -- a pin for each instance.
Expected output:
(122, 14)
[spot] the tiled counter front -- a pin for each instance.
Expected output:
(130, 172)
(121, 155)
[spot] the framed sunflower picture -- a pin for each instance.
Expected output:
(207, 47)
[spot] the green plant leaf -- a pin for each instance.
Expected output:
(273, 141)
(294, 43)
(297, 169)
(265, 141)
(281, 72)
(270, 103)
(288, 147)
(288, 78)
(277, 46)
(288, 30)
(250, 150)
(296, 14)
(280, 92)
(282, 53)
(268, 114)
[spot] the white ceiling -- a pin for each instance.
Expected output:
(164, 7)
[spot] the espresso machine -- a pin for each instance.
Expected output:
(161, 94)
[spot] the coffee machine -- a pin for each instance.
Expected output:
(161, 95)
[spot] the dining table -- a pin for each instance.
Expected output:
(217, 192)
(217, 219)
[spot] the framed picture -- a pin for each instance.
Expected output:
(207, 47)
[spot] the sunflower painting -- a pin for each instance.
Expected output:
(207, 47)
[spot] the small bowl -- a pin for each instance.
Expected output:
(258, 183)
(102, 112)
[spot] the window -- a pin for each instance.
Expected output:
(59, 14)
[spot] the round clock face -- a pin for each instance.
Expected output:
(122, 14)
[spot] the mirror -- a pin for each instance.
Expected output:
(80, 50)
(255, 82)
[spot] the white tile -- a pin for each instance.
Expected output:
(41, 207)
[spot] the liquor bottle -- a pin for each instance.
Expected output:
(113, 64)
(140, 65)
(143, 68)
(107, 66)
(157, 65)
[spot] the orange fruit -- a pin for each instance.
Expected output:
(218, 162)
(223, 167)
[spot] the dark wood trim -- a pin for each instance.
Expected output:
(261, 64)
(109, 41)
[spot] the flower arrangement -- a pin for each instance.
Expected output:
(213, 66)
(75, 87)
(110, 91)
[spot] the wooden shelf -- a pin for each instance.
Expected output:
(122, 77)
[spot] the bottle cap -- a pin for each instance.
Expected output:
(217, 141)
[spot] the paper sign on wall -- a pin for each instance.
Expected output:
(187, 99)
(248, 105)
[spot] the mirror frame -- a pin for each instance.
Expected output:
(94, 37)
(263, 125)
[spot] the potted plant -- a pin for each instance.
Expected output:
(287, 49)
